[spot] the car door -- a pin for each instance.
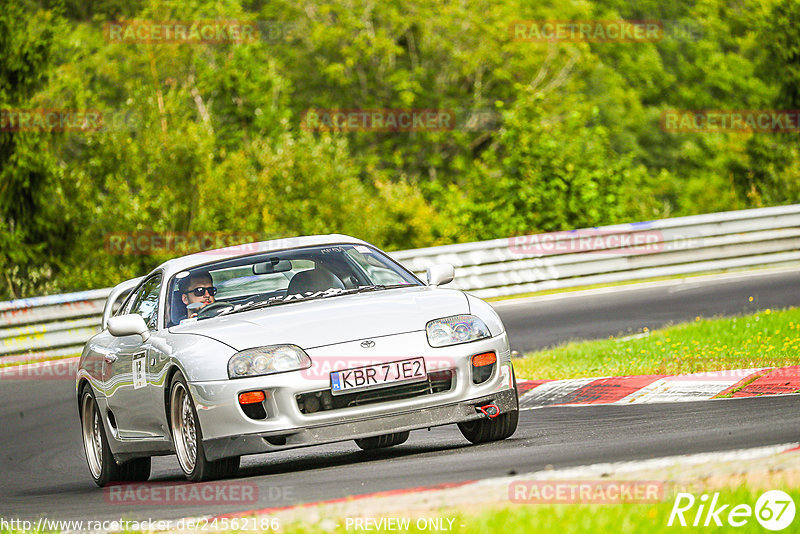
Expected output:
(154, 418)
(126, 388)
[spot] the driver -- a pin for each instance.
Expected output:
(197, 287)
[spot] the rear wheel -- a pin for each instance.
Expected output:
(380, 442)
(102, 466)
(188, 438)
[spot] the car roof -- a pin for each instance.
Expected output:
(184, 263)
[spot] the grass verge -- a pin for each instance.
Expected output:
(769, 338)
(570, 518)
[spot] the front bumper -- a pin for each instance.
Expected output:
(218, 448)
(227, 431)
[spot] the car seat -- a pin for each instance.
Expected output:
(177, 309)
(313, 280)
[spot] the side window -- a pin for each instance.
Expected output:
(126, 305)
(145, 302)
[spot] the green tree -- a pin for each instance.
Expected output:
(33, 235)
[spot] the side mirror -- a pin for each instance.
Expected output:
(440, 274)
(117, 295)
(128, 325)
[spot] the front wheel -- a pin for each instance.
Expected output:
(188, 438)
(485, 430)
(102, 466)
(501, 427)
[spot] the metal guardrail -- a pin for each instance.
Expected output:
(40, 327)
(56, 325)
(683, 245)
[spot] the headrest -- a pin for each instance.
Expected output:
(312, 281)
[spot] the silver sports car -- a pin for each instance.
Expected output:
(283, 344)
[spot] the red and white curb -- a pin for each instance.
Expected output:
(645, 389)
(637, 389)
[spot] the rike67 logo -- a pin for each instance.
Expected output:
(774, 510)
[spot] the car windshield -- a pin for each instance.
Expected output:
(274, 278)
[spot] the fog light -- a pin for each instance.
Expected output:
(483, 365)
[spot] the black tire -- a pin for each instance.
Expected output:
(486, 430)
(99, 458)
(187, 436)
(501, 427)
(381, 442)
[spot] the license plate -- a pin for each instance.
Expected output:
(378, 375)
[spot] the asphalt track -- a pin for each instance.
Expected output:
(43, 471)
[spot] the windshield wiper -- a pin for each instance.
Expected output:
(378, 286)
(252, 306)
(362, 289)
(332, 292)
(276, 300)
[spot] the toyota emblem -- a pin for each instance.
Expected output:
(368, 344)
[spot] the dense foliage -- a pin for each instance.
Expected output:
(209, 137)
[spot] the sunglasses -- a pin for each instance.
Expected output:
(200, 291)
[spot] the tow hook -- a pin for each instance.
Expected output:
(490, 410)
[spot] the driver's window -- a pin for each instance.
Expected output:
(145, 302)
(126, 305)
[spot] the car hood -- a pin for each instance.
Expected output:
(332, 320)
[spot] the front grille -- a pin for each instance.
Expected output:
(323, 400)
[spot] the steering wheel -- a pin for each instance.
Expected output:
(205, 311)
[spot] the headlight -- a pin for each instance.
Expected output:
(267, 360)
(456, 329)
